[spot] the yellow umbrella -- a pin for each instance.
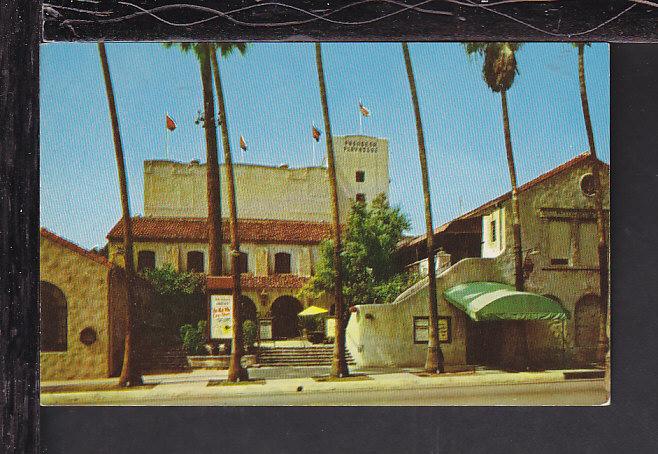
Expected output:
(312, 310)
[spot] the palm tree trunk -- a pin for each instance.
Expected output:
(434, 362)
(212, 169)
(516, 216)
(598, 204)
(523, 355)
(130, 372)
(338, 362)
(235, 372)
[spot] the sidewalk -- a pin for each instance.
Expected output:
(211, 385)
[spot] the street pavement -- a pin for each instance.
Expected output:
(396, 388)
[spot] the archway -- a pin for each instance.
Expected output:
(54, 318)
(248, 309)
(285, 322)
(589, 318)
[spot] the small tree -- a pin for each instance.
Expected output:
(368, 257)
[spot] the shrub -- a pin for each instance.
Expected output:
(249, 334)
(194, 338)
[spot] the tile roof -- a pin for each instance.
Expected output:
(249, 281)
(580, 159)
(74, 247)
(250, 230)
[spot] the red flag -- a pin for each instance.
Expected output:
(243, 144)
(316, 134)
(170, 123)
(364, 111)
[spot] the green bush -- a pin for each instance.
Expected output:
(194, 338)
(249, 334)
(179, 299)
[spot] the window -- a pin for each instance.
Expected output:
(492, 236)
(195, 262)
(360, 176)
(361, 198)
(588, 244)
(559, 242)
(145, 260)
(281, 263)
(243, 262)
(588, 184)
(54, 318)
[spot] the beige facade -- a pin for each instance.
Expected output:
(88, 319)
(559, 241)
(178, 190)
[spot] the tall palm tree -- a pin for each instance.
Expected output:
(212, 163)
(434, 362)
(338, 361)
(598, 198)
(130, 371)
(498, 71)
(206, 53)
(235, 371)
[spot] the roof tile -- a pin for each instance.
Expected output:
(250, 230)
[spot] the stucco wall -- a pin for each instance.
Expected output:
(558, 197)
(260, 257)
(173, 189)
(85, 286)
(380, 335)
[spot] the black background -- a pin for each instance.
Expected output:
(627, 425)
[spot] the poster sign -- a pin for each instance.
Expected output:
(265, 328)
(221, 316)
(330, 327)
(421, 330)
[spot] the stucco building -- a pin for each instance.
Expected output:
(284, 213)
(83, 311)
(560, 261)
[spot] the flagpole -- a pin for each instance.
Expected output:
(166, 138)
(166, 144)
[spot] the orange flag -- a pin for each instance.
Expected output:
(316, 134)
(243, 144)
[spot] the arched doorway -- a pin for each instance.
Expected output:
(54, 318)
(248, 309)
(285, 322)
(589, 320)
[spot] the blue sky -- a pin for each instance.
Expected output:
(272, 98)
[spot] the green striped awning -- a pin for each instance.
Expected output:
(486, 301)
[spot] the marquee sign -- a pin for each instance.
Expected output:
(221, 316)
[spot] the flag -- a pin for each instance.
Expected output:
(243, 144)
(170, 123)
(316, 133)
(364, 111)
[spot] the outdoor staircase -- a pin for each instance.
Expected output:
(163, 358)
(317, 355)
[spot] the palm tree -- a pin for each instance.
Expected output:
(598, 197)
(338, 362)
(434, 361)
(206, 53)
(235, 371)
(212, 163)
(498, 71)
(130, 372)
